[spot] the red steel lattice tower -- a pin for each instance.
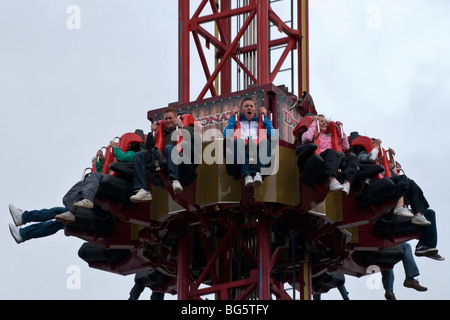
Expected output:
(248, 46)
(219, 237)
(243, 40)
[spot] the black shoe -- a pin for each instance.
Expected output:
(436, 256)
(389, 295)
(424, 251)
(414, 284)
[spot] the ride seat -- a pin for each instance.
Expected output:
(127, 138)
(114, 189)
(305, 105)
(93, 254)
(365, 143)
(124, 142)
(380, 189)
(120, 261)
(385, 259)
(91, 221)
(391, 225)
(326, 281)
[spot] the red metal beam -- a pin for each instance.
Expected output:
(207, 254)
(263, 259)
(227, 49)
(225, 14)
(183, 267)
(282, 26)
(226, 55)
(183, 52)
(250, 283)
(263, 42)
(224, 28)
(204, 62)
(283, 57)
(214, 256)
(303, 55)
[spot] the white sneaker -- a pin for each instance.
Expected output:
(85, 203)
(335, 185)
(420, 220)
(66, 217)
(346, 188)
(176, 186)
(403, 212)
(16, 214)
(257, 180)
(141, 196)
(248, 181)
(15, 233)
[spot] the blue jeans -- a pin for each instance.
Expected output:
(241, 159)
(172, 168)
(141, 160)
(46, 226)
(409, 264)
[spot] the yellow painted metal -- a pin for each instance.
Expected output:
(135, 228)
(331, 207)
(282, 186)
(304, 45)
(354, 232)
(333, 203)
(160, 203)
(215, 186)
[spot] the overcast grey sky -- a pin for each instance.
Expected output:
(381, 67)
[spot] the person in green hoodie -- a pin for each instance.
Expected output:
(88, 187)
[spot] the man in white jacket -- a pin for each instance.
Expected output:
(248, 128)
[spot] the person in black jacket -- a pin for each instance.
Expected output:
(143, 158)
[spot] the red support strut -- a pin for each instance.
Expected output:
(264, 259)
(183, 267)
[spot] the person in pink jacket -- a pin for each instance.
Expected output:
(332, 162)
